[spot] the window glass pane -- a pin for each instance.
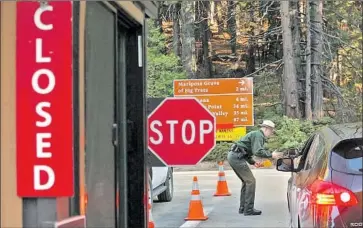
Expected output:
(347, 157)
(315, 151)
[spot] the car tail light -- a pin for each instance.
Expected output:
(330, 194)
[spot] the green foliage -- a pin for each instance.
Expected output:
(293, 133)
(354, 99)
(219, 153)
(162, 67)
(344, 36)
(290, 134)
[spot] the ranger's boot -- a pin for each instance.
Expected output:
(241, 210)
(252, 212)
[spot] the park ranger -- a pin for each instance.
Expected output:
(241, 152)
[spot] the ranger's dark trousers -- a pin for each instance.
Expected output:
(244, 173)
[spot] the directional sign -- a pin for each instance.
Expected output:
(192, 87)
(235, 109)
(229, 99)
(181, 131)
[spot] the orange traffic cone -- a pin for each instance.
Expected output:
(151, 223)
(196, 211)
(222, 187)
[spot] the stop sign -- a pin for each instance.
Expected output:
(181, 131)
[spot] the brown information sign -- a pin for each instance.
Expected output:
(229, 99)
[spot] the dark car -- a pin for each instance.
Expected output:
(325, 188)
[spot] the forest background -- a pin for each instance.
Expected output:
(305, 57)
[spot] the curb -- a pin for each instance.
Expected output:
(212, 166)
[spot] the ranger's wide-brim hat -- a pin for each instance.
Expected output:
(268, 123)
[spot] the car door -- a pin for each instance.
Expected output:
(299, 164)
(300, 180)
(313, 169)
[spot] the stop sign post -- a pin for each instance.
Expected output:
(181, 131)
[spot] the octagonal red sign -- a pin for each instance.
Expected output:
(181, 131)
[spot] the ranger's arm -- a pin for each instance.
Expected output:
(258, 148)
(238, 143)
(250, 161)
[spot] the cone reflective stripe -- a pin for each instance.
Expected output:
(151, 223)
(195, 197)
(196, 211)
(195, 184)
(195, 187)
(221, 177)
(221, 167)
(222, 187)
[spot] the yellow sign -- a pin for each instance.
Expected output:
(231, 134)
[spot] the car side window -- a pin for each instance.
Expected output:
(303, 154)
(319, 151)
(307, 145)
(315, 151)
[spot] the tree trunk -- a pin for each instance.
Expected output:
(212, 12)
(289, 76)
(159, 21)
(273, 39)
(338, 79)
(205, 35)
(251, 60)
(308, 111)
(296, 35)
(204, 64)
(294, 17)
(220, 23)
(231, 25)
(176, 29)
(316, 57)
(188, 39)
(197, 34)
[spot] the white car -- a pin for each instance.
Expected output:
(161, 180)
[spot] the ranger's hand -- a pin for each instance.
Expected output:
(258, 164)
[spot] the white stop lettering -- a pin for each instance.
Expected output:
(205, 126)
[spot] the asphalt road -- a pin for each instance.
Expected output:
(223, 211)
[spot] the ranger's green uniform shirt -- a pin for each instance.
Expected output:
(253, 143)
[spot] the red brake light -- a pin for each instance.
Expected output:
(327, 193)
